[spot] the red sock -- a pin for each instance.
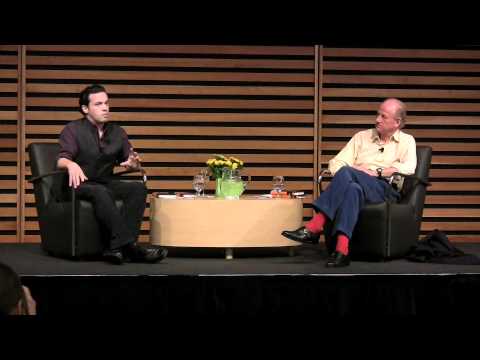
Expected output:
(315, 225)
(342, 244)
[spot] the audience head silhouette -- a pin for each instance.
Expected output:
(15, 299)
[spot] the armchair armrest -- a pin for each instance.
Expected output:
(405, 184)
(323, 174)
(140, 170)
(53, 173)
(56, 172)
(416, 178)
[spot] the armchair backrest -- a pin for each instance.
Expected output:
(416, 196)
(43, 160)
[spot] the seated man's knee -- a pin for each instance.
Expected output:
(139, 188)
(344, 171)
(101, 193)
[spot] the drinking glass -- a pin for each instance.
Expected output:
(204, 173)
(199, 184)
(206, 177)
(278, 183)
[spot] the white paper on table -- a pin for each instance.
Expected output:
(268, 196)
(166, 196)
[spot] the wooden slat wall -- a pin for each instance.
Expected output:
(9, 169)
(180, 105)
(441, 90)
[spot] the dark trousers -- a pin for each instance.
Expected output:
(121, 226)
(347, 194)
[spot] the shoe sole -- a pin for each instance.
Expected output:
(163, 255)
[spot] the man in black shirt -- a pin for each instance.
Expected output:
(90, 149)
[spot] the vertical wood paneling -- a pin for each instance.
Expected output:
(21, 144)
(318, 112)
(9, 151)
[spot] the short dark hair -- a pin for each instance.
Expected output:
(84, 97)
(11, 290)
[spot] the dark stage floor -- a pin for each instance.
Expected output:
(201, 283)
(30, 260)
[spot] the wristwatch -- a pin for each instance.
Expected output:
(379, 172)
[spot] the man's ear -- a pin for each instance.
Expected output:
(85, 109)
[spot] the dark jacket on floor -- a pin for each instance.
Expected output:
(436, 248)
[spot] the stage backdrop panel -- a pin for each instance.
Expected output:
(284, 110)
(441, 91)
(10, 200)
(182, 104)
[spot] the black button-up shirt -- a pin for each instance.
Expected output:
(80, 142)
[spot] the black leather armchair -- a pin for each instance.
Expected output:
(68, 226)
(388, 230)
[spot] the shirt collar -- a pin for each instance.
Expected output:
(376, 136)
(105, 125)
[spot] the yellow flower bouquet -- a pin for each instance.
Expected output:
(219, 162)
(217, 166)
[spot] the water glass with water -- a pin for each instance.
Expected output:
(278, 183)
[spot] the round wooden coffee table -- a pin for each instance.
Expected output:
(218, 223)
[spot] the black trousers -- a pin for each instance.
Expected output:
(121, 226)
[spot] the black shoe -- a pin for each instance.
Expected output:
(114, 256)
(302, 235)
(337, 259)
(137, 253)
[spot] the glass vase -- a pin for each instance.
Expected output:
(218, 188)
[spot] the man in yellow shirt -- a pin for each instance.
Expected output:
(358, 171)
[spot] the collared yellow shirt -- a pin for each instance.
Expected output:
(364, 149)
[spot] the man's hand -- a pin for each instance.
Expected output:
(387, 172)
(133, 161)
(365, 170)
(75, 175)
(31, 305)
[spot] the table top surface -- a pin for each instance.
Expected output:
(211, 197)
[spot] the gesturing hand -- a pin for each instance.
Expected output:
(133, 161)
(75, 175)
